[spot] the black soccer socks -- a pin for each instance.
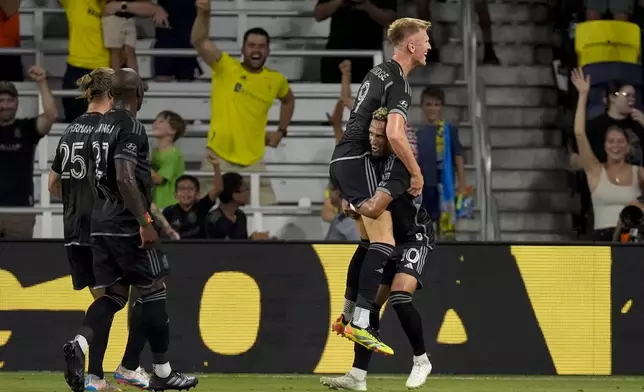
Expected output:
(410, 320)
(371, 273)
(156, 324)
(353, 271)
(136, 338)
(100, 314)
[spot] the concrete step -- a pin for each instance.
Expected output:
(499, 12)
(526, 158)
(520, 222)
(500, 117)
(524, 75)
(500, 96)
(523, 54)
(524, 180)
(520, 237)
(533, 201)
(515, 137)
(508, 33)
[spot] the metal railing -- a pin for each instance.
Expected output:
(481, 144)
(47, 210)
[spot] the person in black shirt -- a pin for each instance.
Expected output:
(68, 180)
(401, 276)
(123, 186)
(228, 221)
(371, 15)
(18, 141)
(621, 113)
(188, 216)
(352, 172)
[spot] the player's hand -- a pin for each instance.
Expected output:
(416, 186)
(348, 211)
(149, 236)
(37, 74)
(203, 6)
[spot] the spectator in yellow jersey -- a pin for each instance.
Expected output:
(242, 95)
(86, 50)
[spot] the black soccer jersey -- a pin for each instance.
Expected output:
(118, 136)
(411, 222)
(385, 85)
(72, 162)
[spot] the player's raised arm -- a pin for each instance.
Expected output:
(200, 35)
(398, 102)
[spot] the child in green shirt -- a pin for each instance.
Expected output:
(167, 159)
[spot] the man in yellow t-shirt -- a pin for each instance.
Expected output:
(86, 50)
(242, 95)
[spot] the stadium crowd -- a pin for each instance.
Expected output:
(210, 207)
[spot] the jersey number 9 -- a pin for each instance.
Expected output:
(73, 165)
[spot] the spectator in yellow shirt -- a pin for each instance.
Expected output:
(242, 95)
(86, 50)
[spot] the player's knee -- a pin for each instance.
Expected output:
(118, 301)
(156, 286)
(119, 289)
(153, 303)
(401, 301)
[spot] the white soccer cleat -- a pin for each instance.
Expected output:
(138, 378)
(93, 383)
(422, 368)
(345, 383)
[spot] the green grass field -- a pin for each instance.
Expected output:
(53, 382)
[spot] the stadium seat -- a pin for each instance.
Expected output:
(601, 74)
(607, 41)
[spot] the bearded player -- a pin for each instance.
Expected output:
(415, 238)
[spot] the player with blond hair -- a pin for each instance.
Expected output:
(353, 173)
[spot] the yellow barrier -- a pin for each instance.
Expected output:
(607, 41)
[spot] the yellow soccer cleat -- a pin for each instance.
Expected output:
(367, 337)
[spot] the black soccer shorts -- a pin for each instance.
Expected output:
(355, 177)
(406, 259)
(121, 259)
(81, 266)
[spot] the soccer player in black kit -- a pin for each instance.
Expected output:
(124, 239)
(69, 181)
(401, 275)
(352, 172)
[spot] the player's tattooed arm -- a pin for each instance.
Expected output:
(54, 185)
(165, 225)
(376, 205)
(126, 182)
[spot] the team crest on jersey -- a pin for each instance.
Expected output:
(403, 104)
(131, 146)
(364, 89)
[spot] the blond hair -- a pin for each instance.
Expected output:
(404, 27)
(380, 114)
(95, 84)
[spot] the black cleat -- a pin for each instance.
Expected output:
(175, 381)
(75, 366)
